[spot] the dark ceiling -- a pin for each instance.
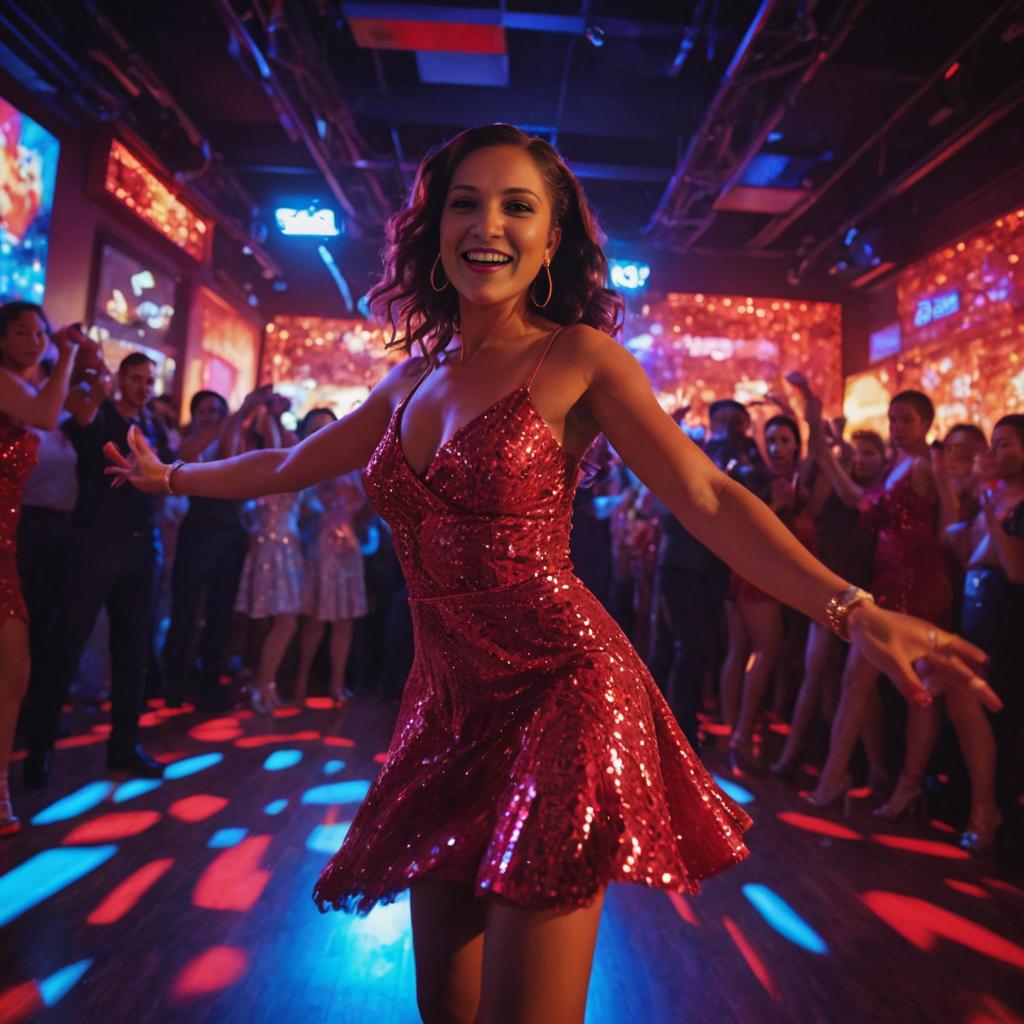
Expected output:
(805, 143)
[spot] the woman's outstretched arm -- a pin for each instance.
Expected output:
(343, 446)
(743, 532)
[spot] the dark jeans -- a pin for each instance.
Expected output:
(691, 603)
(207, 557)
(119, 571)
(42, 561)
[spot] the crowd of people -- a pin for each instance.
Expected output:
(933, 530)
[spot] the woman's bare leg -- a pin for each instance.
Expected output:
(448, 942)
(978, 746)
(762, 621)
(537, 963)
(734, 664)
(275, 644)
(341, 645)
(14, 669)
(310, 635)
(819, 657)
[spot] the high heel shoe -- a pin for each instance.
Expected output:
(980, 835)
(908, 800)
(826, 801)
(274, 699)
(741, 761)
(342, 696)
(878, 782)
(10, 823)
(785, 768)
(259, 701)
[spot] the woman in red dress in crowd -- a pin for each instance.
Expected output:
(534, 760)
(909, 575)
(24, 335)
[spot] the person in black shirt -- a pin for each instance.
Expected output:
(114, 560)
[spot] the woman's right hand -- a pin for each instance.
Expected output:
(142, 469)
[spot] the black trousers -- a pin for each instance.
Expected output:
(691, 604)
(118, 571)
(208, 557)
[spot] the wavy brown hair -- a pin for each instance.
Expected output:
(419, 315)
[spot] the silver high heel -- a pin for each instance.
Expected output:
(908, 800)
(980, 835)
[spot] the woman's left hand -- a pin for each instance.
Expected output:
(921, 659)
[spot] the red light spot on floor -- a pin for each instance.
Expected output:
(21, 1002)
(810, 769)
(243, 714)
(19, 755)
(282, 737)
(185, 709)
(287, 712)
(112, 826)
(196, 808)
(717, 729)
(129, 892)
(235, 880)
(860, 793)
(104, 706)
(71, 742)
(968, 889)
(170, 756)
(683, 908)
(66, 709)
(155, 702)
(216, 730)
(1001, 886)
(923, 924)
(149, 719)
(821, 826)
(338, 741)
(331, 816)
(213, 970)
(103, 729)
(942, 826)
(381, 758)
(780, 728)
(925, 846)
(754, 962)
(943, 779)
(319, 703)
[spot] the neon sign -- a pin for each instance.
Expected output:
(936, 308)
(628, 275)
(315, 223)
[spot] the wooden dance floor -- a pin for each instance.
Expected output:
(189, 899)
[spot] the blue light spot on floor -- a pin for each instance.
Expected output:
(192, 765)
(226, 837)
(82, 800)
(333, 767)
(56, 986)
(275, 807)
(135, 787)
(784, 919)
(281, 759)
(46, 873)
(327, 838)
(337, 793)
(738, 793)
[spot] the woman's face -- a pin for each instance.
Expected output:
(961, 447)
(496, 225)
(906, 427)
(209, 413)
(867, 461)
(25, 342)
(1006, 456)
(781, 444)
(318, 422)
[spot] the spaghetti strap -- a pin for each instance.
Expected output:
(543, 356)
(422, 377)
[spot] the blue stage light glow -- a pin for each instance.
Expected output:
(133, 788)
(57, 985)
(737, 793)
(337, 793)
(328, 838)
(192, 765)
(82, 800)
(784, 919)
(333, 767)
(310, 222)
(628, 275)
(281, 759)
(224, 838)
(46, 873)
(275, 806)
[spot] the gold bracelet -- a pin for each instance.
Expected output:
(839, 606)
(169, 474)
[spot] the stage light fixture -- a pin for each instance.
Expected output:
(311, 222)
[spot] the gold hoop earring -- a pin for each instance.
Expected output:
(433, 270)
(551, 286)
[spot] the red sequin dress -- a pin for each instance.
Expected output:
(534, 757)
(909, 572)
(18, 448)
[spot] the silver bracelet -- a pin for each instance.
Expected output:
(839, 606)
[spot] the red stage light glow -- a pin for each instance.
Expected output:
(71, 742)
(286, 712)
(213, 970)
(925, 846)
(967, 889)
(683, 908)
(110, 827)
(197, 808)
(282, 737)
(21, 1002)
(234, 881)
(821, 826)
(320, 703)
(1000, 886)
(942, 826)
(126, 895)
(923, 924)
(381, 758)
(754, 962)
(338, 741)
